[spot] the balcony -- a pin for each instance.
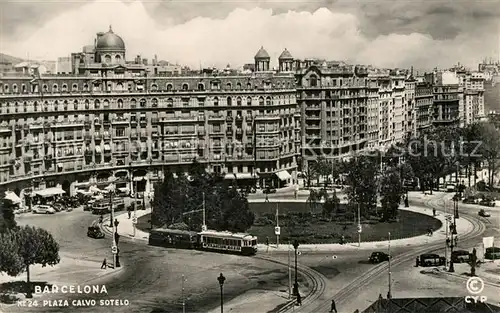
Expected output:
(143, 121)
(264, 117)
(229, 131)
(216, 118)
(106, 123)
(201, 133)
(120, 120)
(97, 136)
(87, 124)
(133, 122)
(133, 135)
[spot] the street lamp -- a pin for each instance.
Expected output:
(221, 280)
(453, 232)
(296, 284)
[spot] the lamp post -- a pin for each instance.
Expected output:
(296, 284)
(389, 294)
(453, 232)
(221, 280)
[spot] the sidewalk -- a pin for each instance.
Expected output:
(125, 226)
(126, 229)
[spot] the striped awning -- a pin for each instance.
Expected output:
(283, 175)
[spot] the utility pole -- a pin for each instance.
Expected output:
(204, 226)
(359, 226)
(389, 294)
(289, 274)
(277, 225)
(183, 299)
(135, 207)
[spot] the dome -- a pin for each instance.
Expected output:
(262, 54)
(110, 42)
(286, 55)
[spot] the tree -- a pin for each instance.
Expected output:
(331, 205)
(236, 214)
(31, 246)
(391, 190)
(490, 149)
(164, 210)
(362, 172)
(7, 216)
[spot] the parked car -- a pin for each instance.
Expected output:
(492, 253)
(487, 202)
(378, 257)
(95, 232)
(58, 207)
(460, 256)
(450, 188)
(43, 209)
(270, 190)
(470, 200)
(431, 259)
(483, 213)
(88, 205)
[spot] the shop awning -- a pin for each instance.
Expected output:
(107, 148)
(245, 176)
(50, 192)
(10, 195)
(283, 175)
(230, 176)
(97, 149)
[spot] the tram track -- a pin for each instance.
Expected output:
(377, 271)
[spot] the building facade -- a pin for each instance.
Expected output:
(116, 122)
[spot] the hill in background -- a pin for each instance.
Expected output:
(4, 58)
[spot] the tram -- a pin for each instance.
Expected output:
(209, 240)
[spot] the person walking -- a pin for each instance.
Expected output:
(333, 308)
(433, 212)
(104, 264)
(129, 214)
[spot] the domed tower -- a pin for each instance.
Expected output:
(109, 48)
(262, 60)
(285, 61)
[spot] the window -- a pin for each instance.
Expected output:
(238, 86)
(249, 101)
(97, 104)
(142, 103)
(229, 101)
(228, 86)
(87, 105)
(261, 101)
(238, 101)
(120, 104)
(216, 101)
(313, 81)
(170, 102)
(185, 87)
(169, 87)
(74, 87)
(54, 88)
(201, 87)
(269, 101)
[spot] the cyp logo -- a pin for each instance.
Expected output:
(475, 285)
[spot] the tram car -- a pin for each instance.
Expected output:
(173, 238)
(215, 241)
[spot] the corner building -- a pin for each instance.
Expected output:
(116, 122)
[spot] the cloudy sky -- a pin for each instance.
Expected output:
(386, 33)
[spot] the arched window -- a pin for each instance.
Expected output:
(75, 105)
(229, 101)
(87, 104)
(170, 102)
(154, 87)
(107, 58)
(201, 86)
(169, 87)
(185, 87)
(97, 104)
(23, 88)
(249, 101)
(142, 103)
(238, 86)
(216, 101)
(106, 104)
(120, 103)
(238, 101)
(269, 101)
(313, 81)
(6, 88)
(228, 86)
(65, 105)
(118, 58)
(85, 87)
(133, 103)
(54, 88)
(64, 88)
(45, 88)
(154, 103)
(74, 87)
(261, 101)
(14, 88)
(249, 86)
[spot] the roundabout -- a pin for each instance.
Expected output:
(150, 276)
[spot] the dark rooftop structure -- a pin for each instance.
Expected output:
(430, 305)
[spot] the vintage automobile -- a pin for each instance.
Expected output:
(378, 257)
(487, 202)
(460, 256)
(492, 253)
(431, 259)
(483, 213)
(470, 200)
(43, 209)
(95, 232)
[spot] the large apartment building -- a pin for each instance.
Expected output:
(109, 121)
(115, 122)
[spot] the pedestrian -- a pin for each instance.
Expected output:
(433, 212)
(267, 243)
(299, 299)
(333, 308)
(129, 214)
(456, 241)
(416, 262)
(104, 264)
(267, 197)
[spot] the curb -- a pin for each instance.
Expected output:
(486, 282)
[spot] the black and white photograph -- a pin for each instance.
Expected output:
(250, 156)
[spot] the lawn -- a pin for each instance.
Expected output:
(297, 223)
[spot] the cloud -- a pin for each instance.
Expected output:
(234, 35)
